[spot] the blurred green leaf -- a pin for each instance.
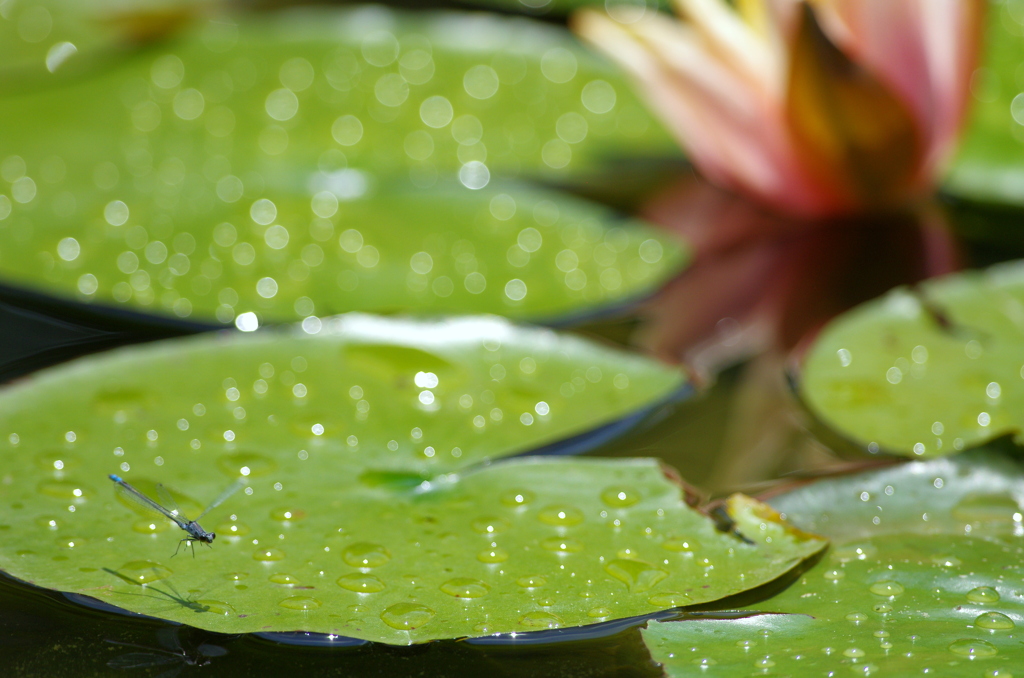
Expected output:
(254, 167)
(368, 511)
(989, 165)
(918, 580)
(49, 42)
(926, 371)
(270, 88)
(384, 247)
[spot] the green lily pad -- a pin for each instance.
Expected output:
(367, 87)
(381, 394)
(988, 167)
(390, 247)
(255, 170)
(367, 512)
(924, 372)
(923, 576)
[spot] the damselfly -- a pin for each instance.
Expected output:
(169, 510)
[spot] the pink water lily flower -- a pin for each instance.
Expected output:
(816, 107)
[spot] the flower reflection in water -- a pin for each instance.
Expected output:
(761, 284)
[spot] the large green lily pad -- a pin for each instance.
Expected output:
(263, 167)
(926, 371)
(923, 577)
(367, 512)
(417, 396)
(361, 87)
(382, 246)
(989, 167)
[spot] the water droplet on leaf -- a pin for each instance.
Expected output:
(464, 587)
(300, 603)
(406, 616)
(365, 554)
(361, 583)
(637, 575)
(968, 647)
(143, 571)
(983, 594)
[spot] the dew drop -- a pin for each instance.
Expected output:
(669, 599)
(882, 608)
(285, 514)
(531, 581)
(517, 497)
(268, 555)
(599, 612)
(56, 462)
(300, 603)
(853, 652)
(71, 542)
(216, 607)
(231, 528)
(764, 663)
(619, 497)
(562, 544)
(560, 516)
(856, 617)
(48, 521)
(678, 545)
(886, 588)
(249, 464)
(745, 644)
(406, 616)
(834, 575)
(490, 525)
(361, 583)
(150, 526)
(983, 594)
(968, 647)
(464, 587)
(637, 575)
(143, 571)
(236, 576)
(994, 620)
(492, 555)
(947, 561)
(283, 578)
(849, 553)
(540, 620)
(365, 554)
(64, 489)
